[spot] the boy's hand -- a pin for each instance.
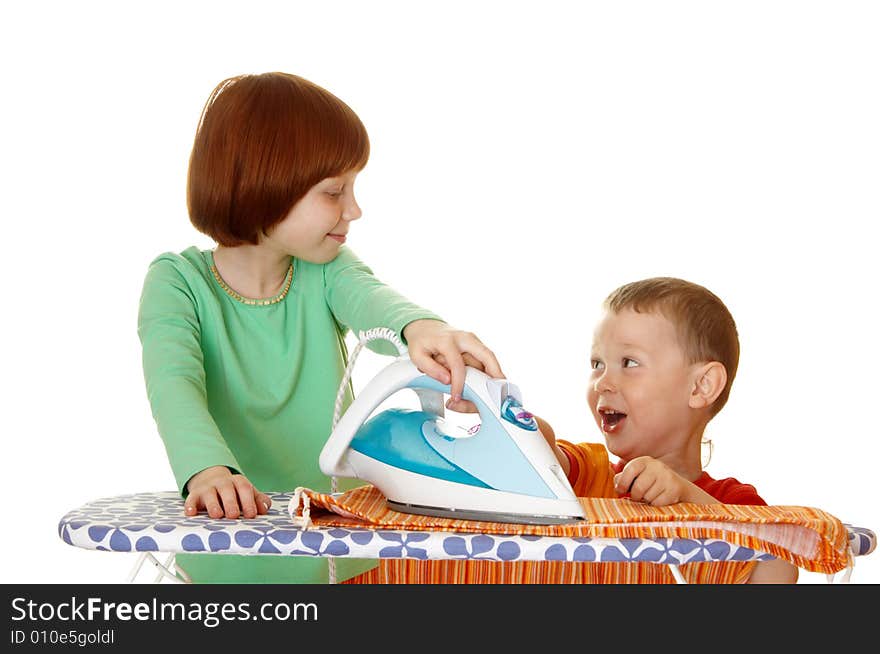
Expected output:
(224, 494)
(442, 352)
(651, 481)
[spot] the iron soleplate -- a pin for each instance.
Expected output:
(482, 516)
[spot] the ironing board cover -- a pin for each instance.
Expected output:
(807, 537)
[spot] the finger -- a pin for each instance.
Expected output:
(663, 499)
(647, 487)
(472, 361)
(246, 498)
(426, 363)
(640, 487)
(229, 498)
(626, 479)
(462, 406)
(455, 363)
(623, 481)
(618, 483)
(488, 363)
(191, 505)
(469, 360)
(635, 490)
(655, 493)
(264, 503)
(212, 504)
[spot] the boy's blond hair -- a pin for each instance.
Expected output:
(706, 329)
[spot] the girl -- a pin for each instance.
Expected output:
(243, 345)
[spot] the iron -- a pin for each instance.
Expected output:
(501, 469)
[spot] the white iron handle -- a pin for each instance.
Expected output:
(396, 376)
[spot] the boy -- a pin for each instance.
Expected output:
(663, 360)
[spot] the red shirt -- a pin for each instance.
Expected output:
(729, 490)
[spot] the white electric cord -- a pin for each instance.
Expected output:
(363, 339)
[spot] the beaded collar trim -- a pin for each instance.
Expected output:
(260, 302)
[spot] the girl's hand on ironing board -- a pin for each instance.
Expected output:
(223, 493)
(442, 352)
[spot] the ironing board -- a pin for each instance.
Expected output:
(152, 523)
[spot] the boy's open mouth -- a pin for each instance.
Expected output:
(611, 419)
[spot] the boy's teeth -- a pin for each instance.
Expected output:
(611, 418)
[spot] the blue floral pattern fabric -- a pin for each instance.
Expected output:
(154, 522)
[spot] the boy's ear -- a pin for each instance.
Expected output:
(709, 381)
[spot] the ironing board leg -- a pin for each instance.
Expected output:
(180, 571)
(846, 573)
(163, 569)
(137, 567)
(842, 579)
(679, 578)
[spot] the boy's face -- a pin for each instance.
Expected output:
(640, 385)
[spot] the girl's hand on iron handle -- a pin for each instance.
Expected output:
(442, 352)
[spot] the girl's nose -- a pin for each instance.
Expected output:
(351, 210)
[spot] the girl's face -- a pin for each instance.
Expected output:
(640, 385)
(317, 225)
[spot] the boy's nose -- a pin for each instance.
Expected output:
(604, 383)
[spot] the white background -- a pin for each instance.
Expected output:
(525, 161)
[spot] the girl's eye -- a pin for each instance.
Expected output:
(629, 363)
(595, 364)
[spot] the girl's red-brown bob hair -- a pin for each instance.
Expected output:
(262, 142)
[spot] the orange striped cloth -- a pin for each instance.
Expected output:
(807, 537)
(445, 571)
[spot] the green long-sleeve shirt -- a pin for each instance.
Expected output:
(252, 386)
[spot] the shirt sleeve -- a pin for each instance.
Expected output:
(590, 472)
(359, 301)
(174, 372)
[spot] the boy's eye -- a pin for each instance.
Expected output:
(629, 363)
(595, 364)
